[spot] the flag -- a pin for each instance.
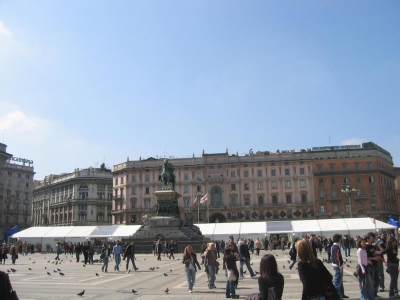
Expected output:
(204, 199)
(195, 201)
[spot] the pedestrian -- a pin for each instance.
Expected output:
(380, 245)
(32, 248)
(244, 258)
(171, 249)
(293, 255)
(229, 264)
(346, 245)
(3, 253)
(257, 246)
(283, 244)
(117, 250)
(14, 250)
(165, 248)
(270, 278)
(190, 261)
(392, 263)
(105, 255)
(211, 264)
(266, 243)
(328, 248)
(337, 263)
(370, 248)
(365, 281)
(222, 245)
(217, 247)
(78, 250)
(91, 252)
(5, 286)
(159, 249)
(130, 255)
(58, 251)
(85, 251)
(154, 248)
(313, 273)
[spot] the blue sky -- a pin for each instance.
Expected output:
(82, 82)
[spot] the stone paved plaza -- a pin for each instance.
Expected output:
(36, 284)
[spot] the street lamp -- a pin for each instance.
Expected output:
(347, 191)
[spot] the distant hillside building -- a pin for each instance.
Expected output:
(80, 198)
(281, 185)
(16, 186)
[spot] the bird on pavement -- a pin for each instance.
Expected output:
(30, 269)
(81, 293)
(133, 291)
(166, 291)
(48, 273)
(97, 274)
(55, 271)
(350, 261)
(157, 268)
(276, 254)
(62, 274)
(13, 270)
(165, 274)
(170, 270)
(283, 266)
(348, 265)
(45, 268)
(84, 265)
(288, 261)
(58, 270)
(30, 258)
(33, 262)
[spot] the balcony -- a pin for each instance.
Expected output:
(215, 179)
(217, 207)
(337, 198)
(360, 197)
(132, 210)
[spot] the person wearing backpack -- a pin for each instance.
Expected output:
(293, 255)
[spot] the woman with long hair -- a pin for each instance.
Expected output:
(270, 277)
(190, 261)
(392, 263)
(313, 274)
(366, 283)
(211, 263)
(229, 264)
(3, 254)
(105, 254)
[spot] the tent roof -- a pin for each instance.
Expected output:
(306, 226)
(32, 232)
(279, 226)
(253, 227)
(126, 231)
(104, 231)
(58, 231)
(81, 231)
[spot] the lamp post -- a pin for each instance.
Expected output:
(347, 190)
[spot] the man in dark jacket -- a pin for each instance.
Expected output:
(245, 258)
(171, 249)
(159, 249)
(337, 263)
(130, 255)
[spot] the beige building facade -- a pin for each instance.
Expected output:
(16, 191)
(83, 197)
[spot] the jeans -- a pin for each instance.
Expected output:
(247, 262)
(379, 268)
(58, 256)
(338, 281)
(132, 258)
(105, 264)
(230, 289)
(90, 258)
(362, 284)
(347, 251)
(191, 278)
(369, 281)
(211, 273)
(394, 275)
(171, 253)
(292, 264)
(117, 258)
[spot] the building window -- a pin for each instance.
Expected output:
(319, 169)
(186, 202)
(186, 176)
(133, 204)
(246, 173)
(9, 173)
(198, 176)
(147, 178)
(186, 189)
(26, 196)
(147, 190)
(27, 184)
(288, 199)
(322, 208)
(369, 166)
(358, 179)
(335, 208)
(320, 181)
(372, 192)
(27, 176)
(302, 183)
(259, 173)
(322, 194)
(233, 187)
(133, 219)
(260, 200)
(199, 188)
(233, 174)
(289, 214)
(360, 207)
(274, 199)
(302, 171)
(147, 203)
(287, 172)
(359, 192)
(273, 172)
(216, 196)
(18, 184)
(371, 178)
(8, 182)
(246, 186)
(18, 175)
(122, 180)
(344, 167)
(347, 208)
(273, 185)
(287, 184)
(17, 195)
(133, 178)
(233, 201)
(260, 185)
(133, 190)
(275, 214)
(261, 215)
(116, 181)
(334, 193)
(345, 179)
(373, 206)
(246, 200)
(357, 167)
(331, 168)
(303, 198)
(333, 180)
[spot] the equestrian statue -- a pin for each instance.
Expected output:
(167, 175)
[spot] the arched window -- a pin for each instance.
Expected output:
(303, 198)
(216, 196)
(83, 191)
(274, 200)
(83, 186)
(233, 201)
(260, 200)
(288, 199)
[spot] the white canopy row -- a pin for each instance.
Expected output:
(326, 227)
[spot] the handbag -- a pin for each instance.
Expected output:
(13, 295)
(231, 275)
(359, 271)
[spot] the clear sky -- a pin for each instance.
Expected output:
(86, 82)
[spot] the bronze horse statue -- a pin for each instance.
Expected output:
(167, 175)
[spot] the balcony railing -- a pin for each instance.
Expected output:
(337, 198)
(360, 197)
(213, 179)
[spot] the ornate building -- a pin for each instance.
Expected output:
(79, 198)
(16, 185)
(355, 179)
(258, 186)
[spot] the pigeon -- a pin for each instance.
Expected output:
(81, 293)
(30, 258)
(283, 266)
(346, 259)
(276, 254)
(144, 259)
(244, 272)
(166, 291)
(133, 291)
(49, 261)
(30, 269)
(348, 265)
(288, 261)
(33, 262)
(8, 271)
(58, 270)
(55, 271)
(84, 265)
(70, 260)
(165, 274)
(62, 274)
(48, 273)
(45, 268)
(350, 261)
(13, 270)
(177, 259)
(157, 268)
(170, 270)
(251, 263)
(97, 274)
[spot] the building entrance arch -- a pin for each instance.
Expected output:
(221, 218)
